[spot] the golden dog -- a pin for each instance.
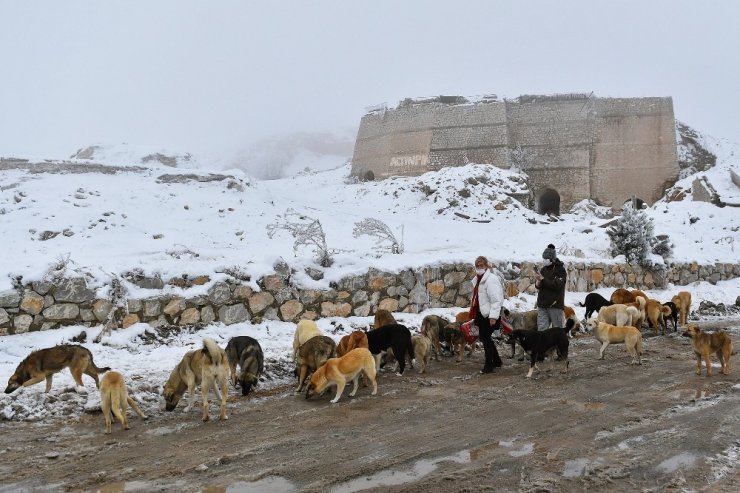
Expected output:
(639, 304)
(656, 313)
(610, 334)
(706, 343)
(351, 341)
(304, 330)
(617, 314)
(383, 317)
(422, 347)
(338, 371)
(114, 398)
(683, 303)
(44, 363)
(207, 366)
(622, 296)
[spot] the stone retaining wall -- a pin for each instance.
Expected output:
(44, 306)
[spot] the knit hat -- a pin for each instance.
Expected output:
(550, 252)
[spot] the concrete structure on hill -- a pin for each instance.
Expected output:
(572, 146)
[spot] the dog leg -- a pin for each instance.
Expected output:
(301, 377)
(604, 345)
(377, 358)
(205, 385)
(355, 381)
(698, 363)
(223, 380)
(190, 380)
(340, 389)
(708, 362)
(77, 376)
(35, 380)
(105, 407)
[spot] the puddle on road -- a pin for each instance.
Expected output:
(526, 449)
(270, 484)
(394, 478)
(122, 486)
(672, 464)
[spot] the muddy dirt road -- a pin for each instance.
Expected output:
(603, 426)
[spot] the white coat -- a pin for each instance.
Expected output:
(490, 294)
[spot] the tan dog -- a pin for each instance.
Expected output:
(622, 296)
(432, 326)
(637, 292)
(383, 317)
(43, 364)
(312, 355)
(611, 334)
(617, 314)
(656, 313)
(639, 304)
(683, 303)
(338, 371)
(304, 330)
(422, 347)
(114, 398)
(206, 367)
(351, 341)
(706, 343)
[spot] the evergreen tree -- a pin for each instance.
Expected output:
(632, 235)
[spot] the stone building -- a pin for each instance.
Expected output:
(572, 146)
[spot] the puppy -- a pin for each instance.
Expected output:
(304, 330)
(114, 398)
(656, 315)
(395, 336)
(706, 343)
(351, 341)
(338, 371)
(422, 346)
(612, 334)
(383, 317)
(683, 303)
(312, 354)
(205, 367)
(540, 344)
(432, 326)
(43, 364)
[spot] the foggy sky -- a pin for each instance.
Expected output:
(211, 77)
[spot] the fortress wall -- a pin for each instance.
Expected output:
(635, 150)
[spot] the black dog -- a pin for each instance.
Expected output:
(394, 336)
(543, 343)
(674, 313)
(594, 302)
(247, 352)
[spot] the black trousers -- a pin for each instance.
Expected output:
(485, 331)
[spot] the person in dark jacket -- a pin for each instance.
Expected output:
(550, 281)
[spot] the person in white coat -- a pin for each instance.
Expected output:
(485, 309)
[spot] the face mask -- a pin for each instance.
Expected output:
(480, 272)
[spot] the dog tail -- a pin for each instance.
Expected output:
(665, 310)
(213, 350)
(99, 370)
(580, 304)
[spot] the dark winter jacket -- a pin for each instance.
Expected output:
(552, 286)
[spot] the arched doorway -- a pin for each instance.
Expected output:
(549, 202)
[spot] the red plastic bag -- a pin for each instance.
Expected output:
(469, 331)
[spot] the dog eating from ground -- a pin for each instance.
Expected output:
(311, 355)
(614, 334)
(206, 367)
(246, 352)
(383, 317)
(394, 336)
(706, 343)
(433, 326)
(43, 364)
(304, 330)
(683, 304)
(351, 341)
(656, 315)
(618, 314)
(622, 296)
(339, 371)
(540, 344)
(422, 347)
(674, 314)
(115, 399)
(593, 303)
(454, 339)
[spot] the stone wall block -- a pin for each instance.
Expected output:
(455, 278)
(22, 323)
(258, 302)
(87, 315)
(101, 308)
(232, 314)
(362, 310)
(189, 316)
(73, 291)
(207, 315)
(152, 308)
(130, 320)
(174, 307)
(32, 303)
(274, 283)
(62, 312)
(242, 292)
(330, 309)
(134, 305)
(220, 293)
(435, 289)
(41, 287)
(10, 299)
(290, 310)
(390, 304)
(4, 318)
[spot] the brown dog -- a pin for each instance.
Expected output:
(114, 398)
(683, 303)
(622, 296)
(637, 292)
(351, 341)
(44, 363)
(432, 326)
(422, 346)
(706, 343)
(312, 354)
(383, 317)
(656, 313)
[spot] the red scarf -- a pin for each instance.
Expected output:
(474, 301)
